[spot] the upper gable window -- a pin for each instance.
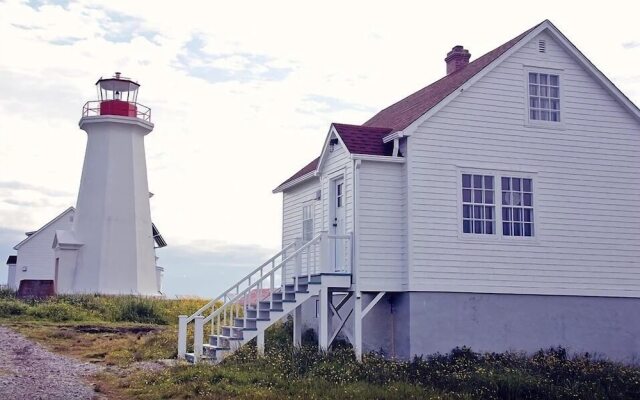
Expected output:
(544, 97)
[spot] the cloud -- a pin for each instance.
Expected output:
(123, 28)
(327, 104)
(65, 41)
(631, 45)
(14, 185)
(37, 4)
(225, 67)
(8, 239)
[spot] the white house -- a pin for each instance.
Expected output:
(490, 209)
(35, 258)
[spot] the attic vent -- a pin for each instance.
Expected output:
(542, 46)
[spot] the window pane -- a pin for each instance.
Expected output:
(466, 211)
(544, 103)
(466, 226)
(517, 214)
(466, 180)
(544, 115)
(544, 91)
(506, 198)
(543, 79)
(488, 227)
(528, 230)
(515, 183)
(553, 80)
(477, 181)
(555, 104)
(534, 114)
(554, 116)
(506, 214)
(488, 196)
(488, 213)
(506, 228)
(488, 182)
(526, 199)
(534, 102)
(477, 196)
(533, 77)
(526, 185)
(516, 199)
(533, 90)
(554, 92)
(477, 226)
(517, 229)
(477, 212)
(506, 183)
(528, 215)
(466, 195)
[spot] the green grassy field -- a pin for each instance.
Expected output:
(120, 332)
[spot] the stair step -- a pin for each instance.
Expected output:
(213, 347)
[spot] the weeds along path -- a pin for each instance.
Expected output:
(28, 371)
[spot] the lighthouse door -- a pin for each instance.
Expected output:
(338, 224)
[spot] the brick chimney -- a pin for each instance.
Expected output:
(457, 59)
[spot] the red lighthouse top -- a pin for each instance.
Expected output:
(117, 96)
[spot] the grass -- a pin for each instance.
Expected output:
(118, 332)
(96, 308)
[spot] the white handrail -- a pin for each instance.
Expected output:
(239, 283)
(270, 274)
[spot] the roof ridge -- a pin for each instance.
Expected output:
(431, 101)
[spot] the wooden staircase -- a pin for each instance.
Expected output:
(295, 274)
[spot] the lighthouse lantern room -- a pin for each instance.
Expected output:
(117, 96)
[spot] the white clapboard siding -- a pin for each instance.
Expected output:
(382, 230)
(294, 200)
(587, 185)
(37, 255)
(338, 163)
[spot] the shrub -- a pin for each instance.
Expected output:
(10, 308)
(138, 309)
(6, 293)
(57, 312)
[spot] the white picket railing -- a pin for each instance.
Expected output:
(297, 259)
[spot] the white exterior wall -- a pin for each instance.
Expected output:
(586, 185)
(292, 202)
(338, 163)
(381, 226)
(37, 255)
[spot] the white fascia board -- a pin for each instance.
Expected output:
(325, 147)
(294, 182)
(393, 136)
(65, 212)
(369, 157)
(592, 69)
(415, 124)
(573, 50)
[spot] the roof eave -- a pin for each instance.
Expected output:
(295, 182)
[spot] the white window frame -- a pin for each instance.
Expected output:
(498, 174)
(311, 217)
(563, 99)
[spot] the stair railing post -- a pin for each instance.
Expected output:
(325, 252)
(182, 336)
(298, 267)
(198, 337)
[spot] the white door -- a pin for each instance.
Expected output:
(338, 204)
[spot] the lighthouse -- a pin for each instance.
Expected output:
(110, 246)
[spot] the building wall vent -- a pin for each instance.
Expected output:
(542, 46)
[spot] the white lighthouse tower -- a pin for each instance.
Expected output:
(110, 248)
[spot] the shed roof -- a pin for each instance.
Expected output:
(12, 260)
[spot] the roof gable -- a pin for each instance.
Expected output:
(364, 139)
(400, 115)
(48, 224)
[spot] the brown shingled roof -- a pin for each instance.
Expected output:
(367, 138)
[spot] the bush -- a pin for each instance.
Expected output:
(10, 308)
(6, 293)
(138, 309)
(58, 312)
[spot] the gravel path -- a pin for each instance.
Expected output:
(29, 372)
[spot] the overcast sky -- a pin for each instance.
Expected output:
(242, 95)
